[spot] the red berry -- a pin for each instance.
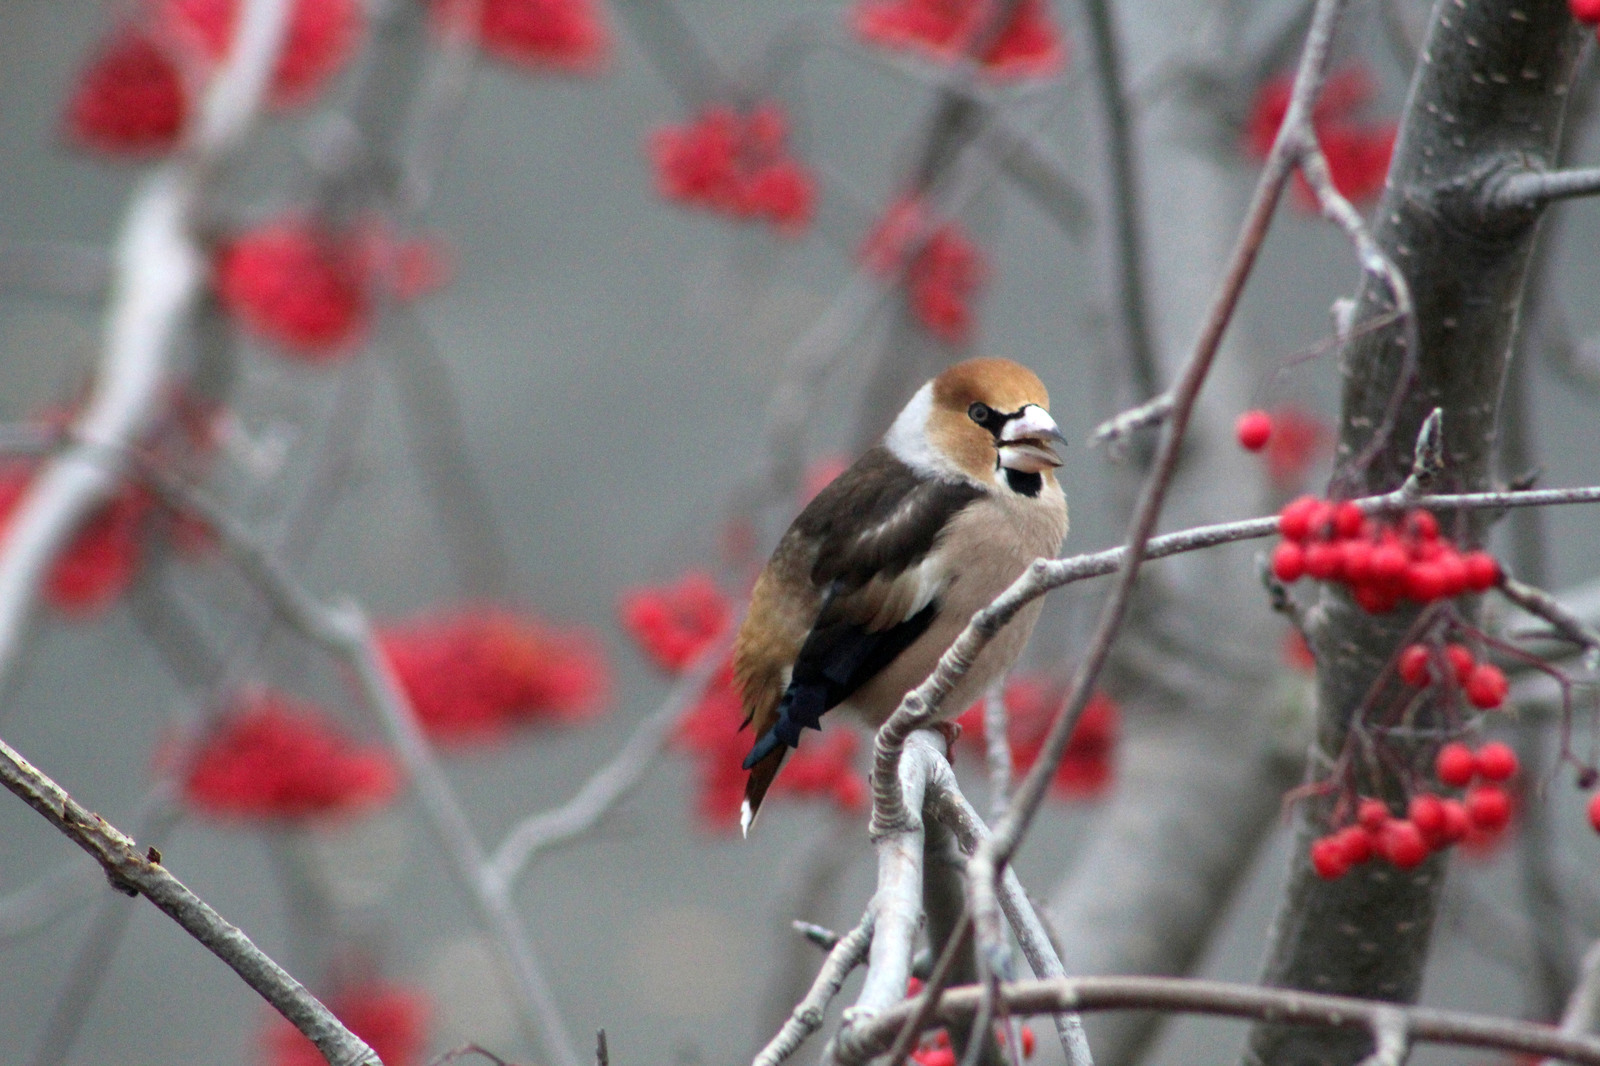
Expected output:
(1356, 843)
(1348, 519)
(1455, 764)
(1372, 814)
(132, 100)
(1426, 812)
(1027, 1042)
(1483, 569)
(1456, 823)
(1414, 665)
(1423, 524)
(1253, 428)
(1452, 572)
(1585, 11)
(1295, 520)
(1489, 807)
(1357, 561)
(1324, 560)
(1461, 661)
(1425, 582)
(1328, 859)
(1486, 687)
(1288, 562)
(1496, 761)
(1389, 562)
(1594, 811)
(1403, 844)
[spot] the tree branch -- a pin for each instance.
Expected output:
(133, 873)
(1280, 1005)
(848, 952)
(1534, 189)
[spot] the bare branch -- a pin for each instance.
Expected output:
(997, 747)
(848, 952)
(134, 873)
(1582, 1015)
(1538, 602)
(1188, 996)
(1530, 189)
(610, 785)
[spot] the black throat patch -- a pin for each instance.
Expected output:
(1022, 483)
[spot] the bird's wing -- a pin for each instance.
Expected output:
(853, 583)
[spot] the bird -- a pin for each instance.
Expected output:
(883, 569)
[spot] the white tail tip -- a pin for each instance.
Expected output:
(747, 818)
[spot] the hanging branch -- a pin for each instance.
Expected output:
(134, 873)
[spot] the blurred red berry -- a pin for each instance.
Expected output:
(1254, 429)
(1288, 562)
(1488, 807)
(1373, 814)
(295, 283)
(131, 100)
(1483, 571)
(1328, 859)
(101, 560)
(675, 623)
(934, 1056)
(1413, 667)
(1298, 437)
(1423, 524)
(1455, 765)
(943, 269)
(476, 673)
(1087, 766)
(1585, 11)
(393, 1020)
(736, 163)
(1426, 812)
(565, 36)
(1028, 46)
(1403, 844)
(1456, 822)
(1594, 811)
(1355, 842)
(1486, 686)
(1348, 519)
(820, 474)
(1297, 519)
(1496, 761)
(273, 758)
(320, 38)
(1297, 653)
(1461, 661)
(1357, 151)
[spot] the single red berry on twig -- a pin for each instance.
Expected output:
(1489, 807)
(1486, 687)
(1413, 666)
(1254, 429)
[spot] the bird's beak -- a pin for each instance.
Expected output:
(1025, 441)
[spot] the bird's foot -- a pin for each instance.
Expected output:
(951, 731)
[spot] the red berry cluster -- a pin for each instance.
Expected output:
(934, 1049)
(273, 758)
(1381, 563)
(1484, 684)
(138, 89)
(1087, 767)
(1432, 823)
(1029, 46)
(674, 623)
(477, 673)
(943, 268)
(736, 164)
(1357, 150)
(392, 1019)
(566, 36)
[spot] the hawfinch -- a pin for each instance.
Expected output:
(885, 567)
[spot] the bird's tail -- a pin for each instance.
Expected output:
(756, 785)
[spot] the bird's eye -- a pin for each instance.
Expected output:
(979, 413)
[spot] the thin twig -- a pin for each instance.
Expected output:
(1191, 996)
(1531, 189)
(848, 952)
(610, 785)
(134, 873)
(1541, 603)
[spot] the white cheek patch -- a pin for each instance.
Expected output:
(907, 440)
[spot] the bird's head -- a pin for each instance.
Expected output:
(984, 419)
